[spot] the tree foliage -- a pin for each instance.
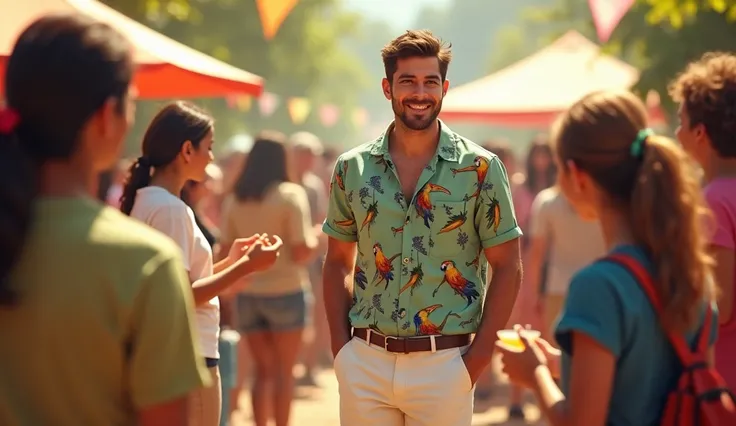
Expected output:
(658, 36)
(678, 12)
(305, 59)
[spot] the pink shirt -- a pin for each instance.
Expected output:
(721, 197)
(522, 204)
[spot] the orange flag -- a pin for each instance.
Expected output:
(273, 13)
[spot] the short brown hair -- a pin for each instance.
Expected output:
(416, 43)
(707, 92)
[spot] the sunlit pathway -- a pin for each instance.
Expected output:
(319, 407)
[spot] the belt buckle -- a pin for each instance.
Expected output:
(386, 340)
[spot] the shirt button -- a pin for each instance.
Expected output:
(407, 219)
(406, 261)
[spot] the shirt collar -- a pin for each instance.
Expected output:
(446, 149)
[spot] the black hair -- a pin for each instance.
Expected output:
(540, 145)
(175, 124)
(62, 70)
(266, 165)
(104, 183)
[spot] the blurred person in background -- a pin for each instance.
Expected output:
(541, 170)
(198, 195)
(561, 242)
(522, 203)
(539, 174)
(104, 182)
(522, 206)
(706, 93)
(329, 157)
(119, 173)
(272, 311)
(176, 148)
(96, 315)
(307, 151)
(232, 159)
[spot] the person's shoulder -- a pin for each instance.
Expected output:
(131, 239)
(358, 153)
(548, 198)
(468, 150)
(290, 190)
(152, 200)
(312, 181)
(720, 192)
(612, 275)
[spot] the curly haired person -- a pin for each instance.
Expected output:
(706, 92)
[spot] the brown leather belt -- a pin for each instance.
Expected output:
(412, 344)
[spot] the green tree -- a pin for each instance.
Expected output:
(306, 57)
(658, 36)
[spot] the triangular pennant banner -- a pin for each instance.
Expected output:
(299, 109)
(267, 103)
(360, 117)
(607, 14)
(272, 14)
(232, 101)
(328, 115)
(244, 103)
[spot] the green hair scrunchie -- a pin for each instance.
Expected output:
(638, 145)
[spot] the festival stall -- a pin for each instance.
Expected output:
(166, 68)
(533, 91)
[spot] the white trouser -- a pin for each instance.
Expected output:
(415, 389)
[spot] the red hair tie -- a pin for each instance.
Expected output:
(9, 120)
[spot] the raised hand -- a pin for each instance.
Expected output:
(264, 252)
(240, 247)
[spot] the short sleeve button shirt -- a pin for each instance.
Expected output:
(420, 268)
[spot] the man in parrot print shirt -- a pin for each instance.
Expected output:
(414, 219)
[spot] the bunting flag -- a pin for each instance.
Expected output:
(299, 109)
(232, 101)
(272, 14)
(267, 103)
(328, 115)
(360, 117)
(607, 14)
(243, 103)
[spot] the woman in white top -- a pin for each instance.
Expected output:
(177, 147)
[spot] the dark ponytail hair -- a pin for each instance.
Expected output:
(62, 70)
(175, 124)
(653, 181)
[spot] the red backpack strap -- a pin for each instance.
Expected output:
(644, 278)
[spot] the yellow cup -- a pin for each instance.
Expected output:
(511, 337)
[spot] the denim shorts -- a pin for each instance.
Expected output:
(272, 313)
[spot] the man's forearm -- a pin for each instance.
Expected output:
(337, 296)
(500, 299)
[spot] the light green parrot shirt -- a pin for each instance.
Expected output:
(420, 268)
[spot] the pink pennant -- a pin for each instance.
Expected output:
(328, 115)
(267, 103)
(607, 14)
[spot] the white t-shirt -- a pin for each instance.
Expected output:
(167, 213)
(573, 242)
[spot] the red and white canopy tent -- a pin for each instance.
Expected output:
(533, 91)
(166, 68)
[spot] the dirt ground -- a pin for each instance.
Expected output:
(319, 406)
